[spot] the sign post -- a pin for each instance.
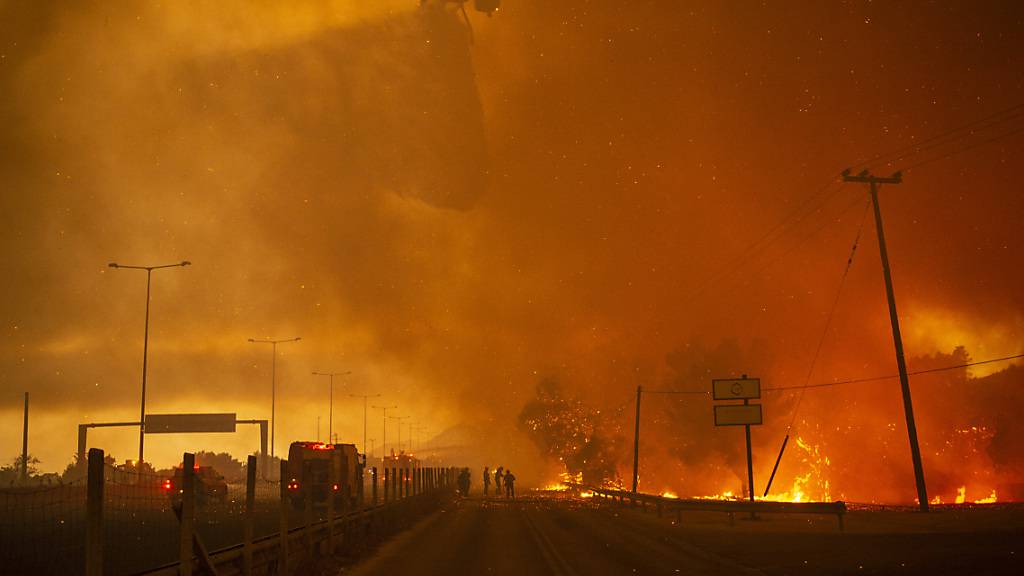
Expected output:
(745, 414)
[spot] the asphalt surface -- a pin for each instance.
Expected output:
(540, 536)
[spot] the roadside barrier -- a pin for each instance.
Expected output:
(134, 526)
(663, 505)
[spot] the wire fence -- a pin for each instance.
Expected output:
(42, 528)
(139, 526)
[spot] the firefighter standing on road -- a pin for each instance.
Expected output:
(497, 480)
(510, 485)
(487, 480)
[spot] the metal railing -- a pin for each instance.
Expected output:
(664, 504)
(307, 532)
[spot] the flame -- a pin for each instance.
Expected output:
(725, 495)
(816, 477)
(961, 494)
(586, 494)
(668, 494)
(990, 500)
(565, 480)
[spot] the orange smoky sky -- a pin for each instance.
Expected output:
(567, 190)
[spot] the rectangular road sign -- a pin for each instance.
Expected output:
(736, 388)
(737, 414)
(183, 423)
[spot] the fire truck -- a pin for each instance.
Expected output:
(310, 469)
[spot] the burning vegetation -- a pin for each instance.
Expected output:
(847, 443)
(586, 441)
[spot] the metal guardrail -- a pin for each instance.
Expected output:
(354, 529)
(408, 492)
(731, 507)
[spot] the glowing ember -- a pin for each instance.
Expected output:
(667, 494)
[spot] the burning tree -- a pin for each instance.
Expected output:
(586, 441)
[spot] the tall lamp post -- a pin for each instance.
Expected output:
(399, 418)
(384, 440)
(364, 397)
(330, 409)
(145, 344)
(273, 380)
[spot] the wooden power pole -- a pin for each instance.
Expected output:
(901, 362)
(636, 442)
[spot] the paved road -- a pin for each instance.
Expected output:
(540, 536)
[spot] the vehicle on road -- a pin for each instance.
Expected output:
(318, 469)
(210, 486)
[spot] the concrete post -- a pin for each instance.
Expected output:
(282, 560)
(250, 513)
(307, 508)
(94, 515)
(188, 512)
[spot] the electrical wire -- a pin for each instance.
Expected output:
(831, 314)
(894, 376)
(855, 380)
(965, 149)
(1006, 114)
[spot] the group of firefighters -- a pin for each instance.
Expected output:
(501, 476)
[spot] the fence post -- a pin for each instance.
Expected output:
(332, 494)
(282, 560)
(359, 488)
(250, 512)
(394, 483)
(387, 484)
(307, 511)
(94, 515)
(374, 485)
(188, 512)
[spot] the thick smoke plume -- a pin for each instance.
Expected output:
(580, 190)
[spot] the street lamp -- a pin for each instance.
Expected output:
(273, 381)
(145, 342)
(330, 409)
(384, 441)
(364, 397)
(399, 418)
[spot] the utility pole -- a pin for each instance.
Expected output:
(636, 442)
(24, 445)
(901, 363)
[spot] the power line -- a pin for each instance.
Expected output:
(965, 148)
(992, 119)
(822, 196)
(853, 380)
(879, 378)
(831, 314)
